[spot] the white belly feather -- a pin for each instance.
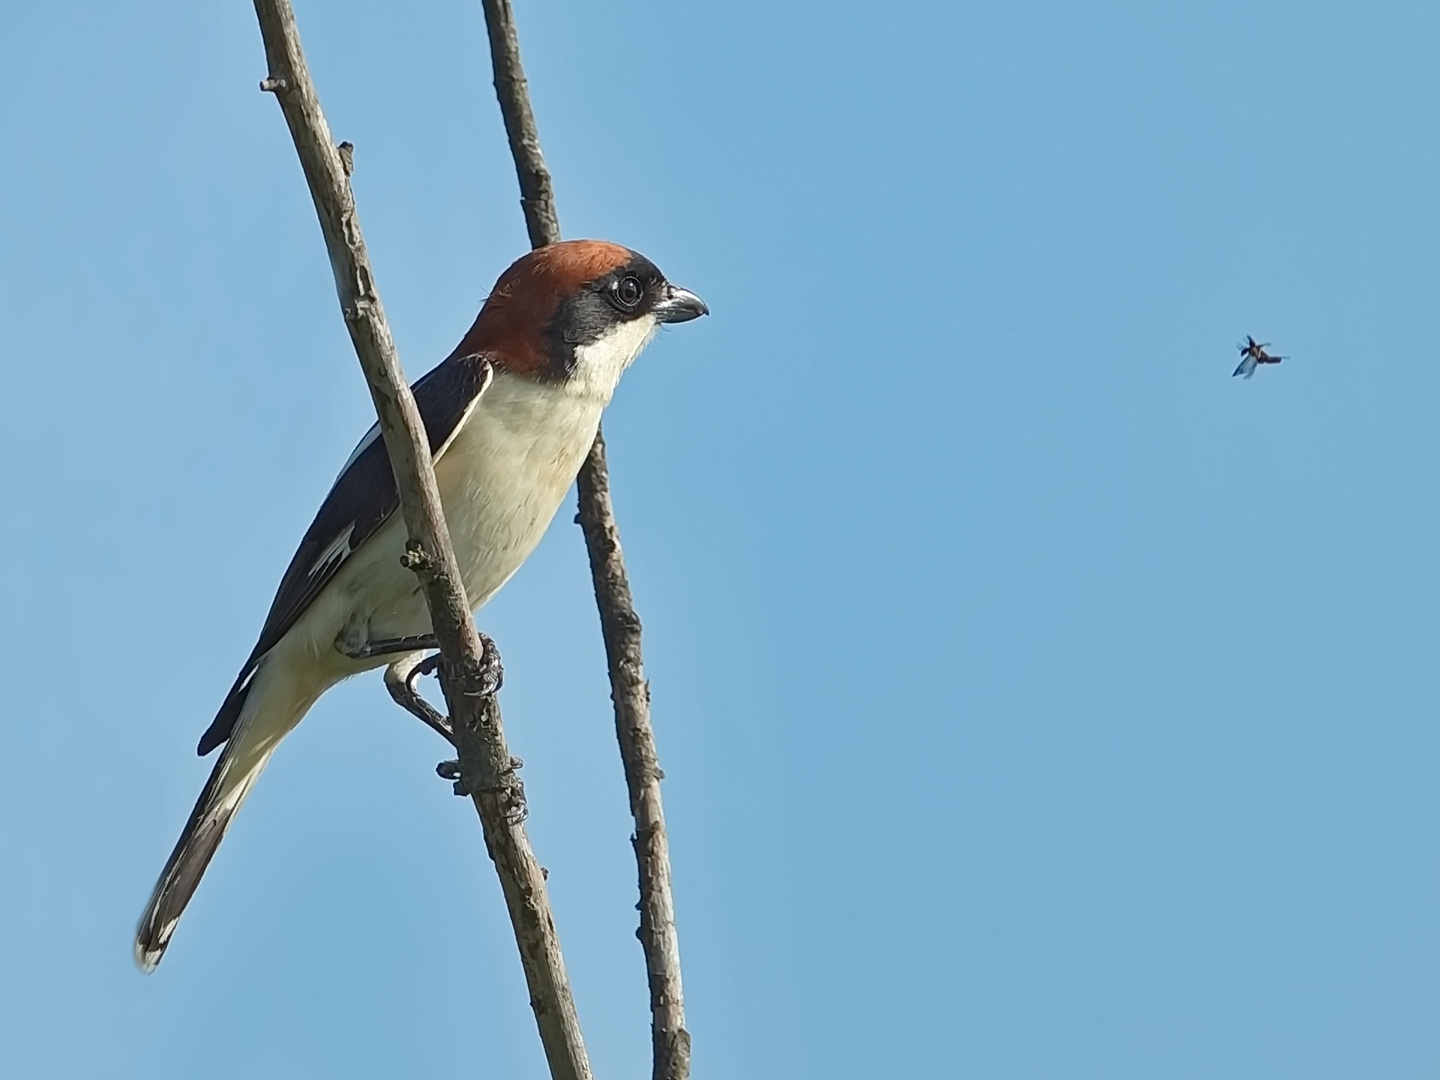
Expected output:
(501, 479)
(505, 474)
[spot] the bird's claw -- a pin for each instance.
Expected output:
(492, 671)
(488, 678)
(510, 786)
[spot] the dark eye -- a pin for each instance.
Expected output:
(628, 291)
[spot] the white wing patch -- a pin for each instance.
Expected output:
(339, 549)
(335, 552)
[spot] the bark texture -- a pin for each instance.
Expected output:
(631, 694)
(618, 621)
(537, 194)
(487, 771)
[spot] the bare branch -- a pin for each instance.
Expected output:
(537, 194)
(631, 694)
(486, 770)
(618, 620)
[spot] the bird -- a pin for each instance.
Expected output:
(1252, 354)
(510, 415)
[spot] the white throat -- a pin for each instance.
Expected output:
(599, 365)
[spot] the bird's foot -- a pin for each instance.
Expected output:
(483, 682)
(510, 785)
(492, 671)
(370, 650)
(400, 678)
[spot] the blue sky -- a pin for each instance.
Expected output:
(1035, 699)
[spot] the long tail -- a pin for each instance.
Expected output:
(269, 713)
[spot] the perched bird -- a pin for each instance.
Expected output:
(1252, 354)
(510, 415)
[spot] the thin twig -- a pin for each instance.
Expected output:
(537, 194)
(618, 621)
(631, 693)
(486, 768)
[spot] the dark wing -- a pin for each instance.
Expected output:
(360, 501)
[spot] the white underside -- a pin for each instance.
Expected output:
(501, 480)
(502, 477)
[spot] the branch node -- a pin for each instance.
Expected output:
(272, 85)
(416, 558)
(359, 309)
(508, 786)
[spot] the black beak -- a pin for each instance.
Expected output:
(679, 305)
